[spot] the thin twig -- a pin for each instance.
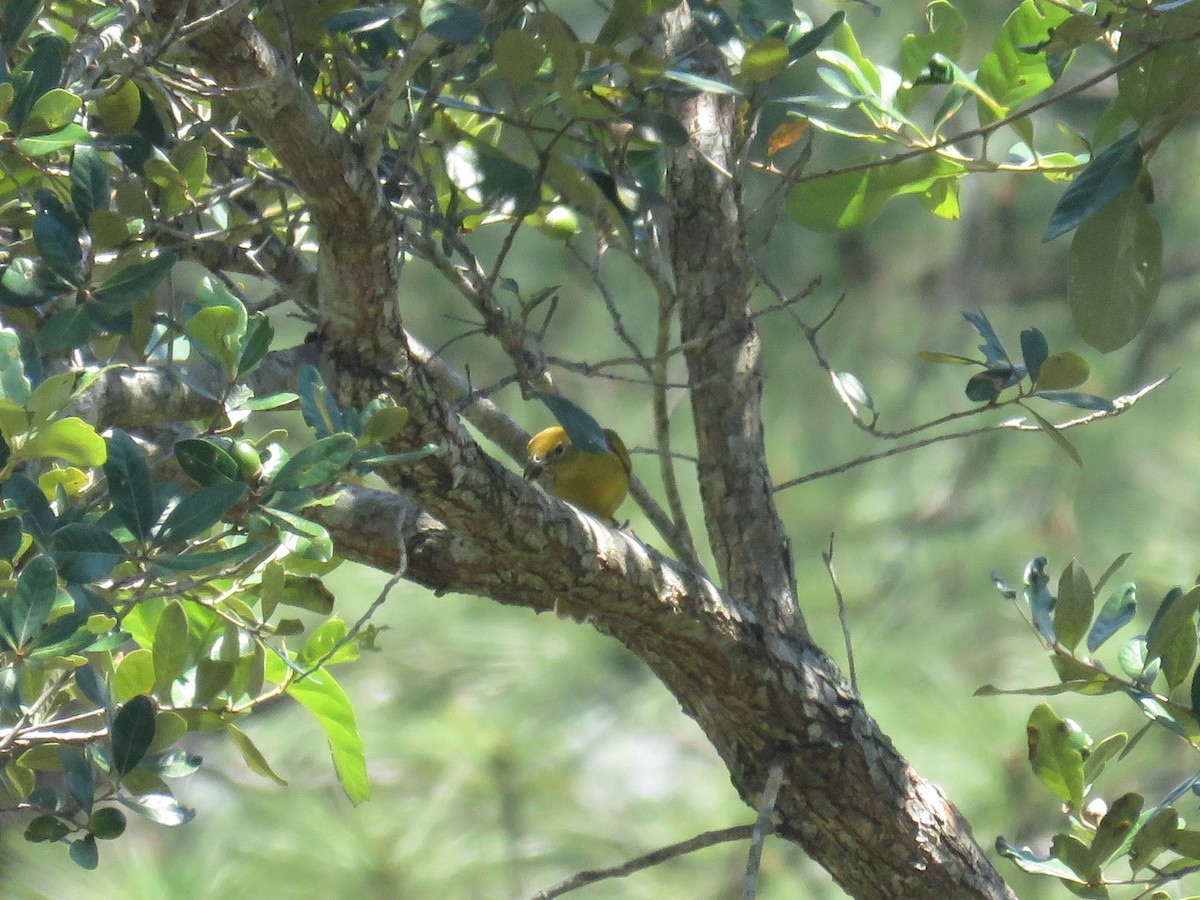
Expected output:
(762, 827)
(1120, 405)
(827, 558)
(661, 855)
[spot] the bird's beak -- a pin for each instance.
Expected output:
(533, 469)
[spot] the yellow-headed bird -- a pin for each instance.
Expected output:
(596, 482)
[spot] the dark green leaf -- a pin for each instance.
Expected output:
(993, 350)
(1058, 437)
(317, 405)
(205, 462)
(451, 22)
(78, 774)
(36, 515)
(67, 329)
(131, 733)
(1152, 838)
(1116, 613)
(56, 235)
(302, 537)
(255, 344)
(67, 635)
(18, 16)
(584, 431)
(1115, 271)
(89, 183)
(1103, 179)
(718, 27)
(42, 71)
(84, 853)
(134, 282)
(46, 828)
(397, 459)
(1116, 829)
(29, 604)
(1034, 351)
(659, 126)
(316, 464)
(85, 553)
(107, 823)
(813, 39)
(1038, 596)
(985, 387)
(1172, 634)
(129, 485)
(1077, 856)
(1078, 400)
(200, 511)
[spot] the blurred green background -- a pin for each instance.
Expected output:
(508, 751)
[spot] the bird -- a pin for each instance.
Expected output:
(595, 482)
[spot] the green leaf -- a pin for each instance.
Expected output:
(78, 774)
(451, 22)
(317, 405)
(205, 462)
(159, 806)
(254, 758)
(1115, 271)
(1074, 607)
(316, 464)
(215, 330)
(385, 423)
(1116, 614)
(1152, 838)
(86, 552)
(56, 236)
(1058, 437)
(18, 16)
(518, 55)
(1105, 178)
(1034, 351)
(947, 28)
(132, 283)
(107, 823)
(584, 431)
(43, 68)
(52, 111)
(1078, 400)
(89, 183)
(255, 344)
(70, 439)
(658, 126)
(322, 696)
(198, 512)
(29, 604)
(854, 199)
(1061, 371)
(1172, 635)
(1160, 84)
(171, 645)
(67, 329)
(46, 828)
(815, 37)
(134, 675)
(700, 83)
(83, 852)
(130, 486)
(1108, 749)
(1055, 754)
(304, 538)
(1038, 596)
(131, 733)
(623, 22)
(45, 144)
(1029, 861)
(1078, 858)
(14, 383)
(1008, 73)
(1115, 831)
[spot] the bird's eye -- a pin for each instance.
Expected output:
(558, 449)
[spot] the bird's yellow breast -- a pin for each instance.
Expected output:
(596, 482)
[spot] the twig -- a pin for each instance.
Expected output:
(1120, 404)
(661, 855)
(762, 827)
(827, 558)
